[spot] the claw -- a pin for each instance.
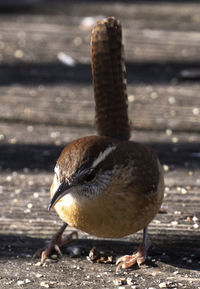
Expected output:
(56, 247)
(44, 256)
(122, 259)
(55, 244)
(127, 261)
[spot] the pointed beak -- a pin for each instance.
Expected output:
(61, 191)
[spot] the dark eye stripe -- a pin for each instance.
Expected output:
(90, 177)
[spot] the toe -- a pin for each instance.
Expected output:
(57, 249)
(123, 259)
(44, 256)
(126, 262)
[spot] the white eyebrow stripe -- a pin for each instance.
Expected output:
(102, 156)
(57, 170)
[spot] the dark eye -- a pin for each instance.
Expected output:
(90, 177)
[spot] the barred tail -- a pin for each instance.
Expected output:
(109, 79)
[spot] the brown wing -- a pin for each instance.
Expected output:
(136, 166)
(145, 168)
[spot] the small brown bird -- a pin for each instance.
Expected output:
(107, 185)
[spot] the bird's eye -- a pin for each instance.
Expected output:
(90, 177)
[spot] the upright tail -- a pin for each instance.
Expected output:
(109, 79)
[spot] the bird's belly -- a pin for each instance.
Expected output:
(108, 217)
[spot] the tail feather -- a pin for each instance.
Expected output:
(109, 79)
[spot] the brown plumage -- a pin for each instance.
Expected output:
(109, 79)
(131, 198)
(107, 185)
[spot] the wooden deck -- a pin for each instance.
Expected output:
(46, 103)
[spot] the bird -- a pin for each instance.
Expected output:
(106, 184)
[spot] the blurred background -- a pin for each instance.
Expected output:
(46, 100)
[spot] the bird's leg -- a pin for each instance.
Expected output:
(139, 257)
(55, 244)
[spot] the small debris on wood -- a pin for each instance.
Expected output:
(29, 206)
(178, 213)
(89, 22)
(97, 257)
(129, 281)
(93, 254)
(168, 132)
(195, 111)
(189, 219)
(183, 191)
(171, 100)
(66, 59)
(190, 74)
(195, 219)
(175, 139)
(131, 98)
(35, 195)
(174, 223)
(38, 275)
(120, 281)
(37, 264)
(19, 54)
(105, 260)
(44, 284)
(22, 282)
(166, 168)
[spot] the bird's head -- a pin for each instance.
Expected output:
(84, 168)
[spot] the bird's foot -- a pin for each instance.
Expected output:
(128, 261)
(55, 244)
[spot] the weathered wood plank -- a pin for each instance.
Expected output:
(29, 57)
(25, 221)
(154, 13)
(38, 146)
(155, 107)
(45, 104)
(27, 170)
(41, 39)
